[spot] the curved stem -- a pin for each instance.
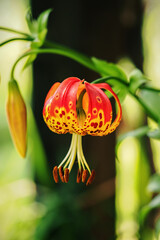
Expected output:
(15, 39)
(14, 31)
(84, 61)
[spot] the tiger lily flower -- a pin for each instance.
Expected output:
(78, 107)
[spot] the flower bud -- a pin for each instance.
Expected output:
(17, 117)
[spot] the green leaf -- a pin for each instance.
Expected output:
(38, 28)
(137, 79)
(154, 183)
(43, 20)
(150, 101)
(109, 69)
(120, 90)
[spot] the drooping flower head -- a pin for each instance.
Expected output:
(80, 108)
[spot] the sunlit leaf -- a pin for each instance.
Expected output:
(137, 79)
(154, 183)
(43, 20)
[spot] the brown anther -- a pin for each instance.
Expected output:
(61, 174)
(55, 174)
(79, 176)
(84, 175)
(91, 178)
(66, 175)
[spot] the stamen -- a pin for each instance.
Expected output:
(61, 174)
(91, 178)
(69, 151)
(66, 175)
(84, 175)
(73, 154)
(83, 160)
(79, 176)
(55, 174)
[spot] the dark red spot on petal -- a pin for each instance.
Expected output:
(100, 115)
(100, 124)
(92, 124)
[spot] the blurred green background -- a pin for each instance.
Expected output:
(32, 206)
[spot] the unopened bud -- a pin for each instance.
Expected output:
(17, 117)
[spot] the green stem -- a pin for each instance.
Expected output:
(79, 58)
(68, 52)
(14, 31)
(14, 39)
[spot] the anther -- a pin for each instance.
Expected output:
(79, 176)
(66, 175)
(55, 174)
(84, 175)
(61, 173)
(91, 178)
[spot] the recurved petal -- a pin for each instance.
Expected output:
(60, 109)
(98, 110)
(17, 117)
(117, 120)
(52, 90)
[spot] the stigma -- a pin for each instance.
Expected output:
(63, 170)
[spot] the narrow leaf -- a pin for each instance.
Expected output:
(43, 20)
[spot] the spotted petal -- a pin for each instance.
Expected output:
(98, 110)
(60, 109)
(117, 120)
